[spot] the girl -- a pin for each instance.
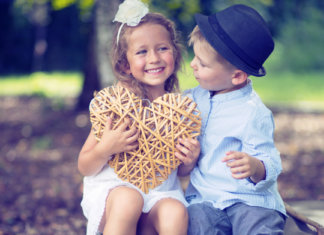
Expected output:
(145, 58)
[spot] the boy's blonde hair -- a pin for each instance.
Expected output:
(197, 36)
(119, 60)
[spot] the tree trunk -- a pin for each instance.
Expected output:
(97, 69)
(91, 81)
(104, 14)
(39, 18)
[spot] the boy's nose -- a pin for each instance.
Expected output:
(192, 63)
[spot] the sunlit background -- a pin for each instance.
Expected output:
(53, 56)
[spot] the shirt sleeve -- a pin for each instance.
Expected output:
(188, 93)
(259, 143)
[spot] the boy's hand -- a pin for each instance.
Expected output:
(120, 139)
(243, 165)
(188, 153)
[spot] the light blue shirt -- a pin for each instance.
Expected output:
(238, 121)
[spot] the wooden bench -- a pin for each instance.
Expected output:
(299, 223)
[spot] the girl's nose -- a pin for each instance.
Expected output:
(153, 57)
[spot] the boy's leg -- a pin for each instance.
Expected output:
(251, 220)
(168, 216)
(123, 209)
(204, 219)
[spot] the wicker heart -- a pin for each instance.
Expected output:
(161, 124)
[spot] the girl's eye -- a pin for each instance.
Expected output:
(141, 52)
(164, 48)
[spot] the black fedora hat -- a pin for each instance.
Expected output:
(240, 35)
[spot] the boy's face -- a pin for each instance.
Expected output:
(209, 72)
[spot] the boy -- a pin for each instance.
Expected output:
(233, 187)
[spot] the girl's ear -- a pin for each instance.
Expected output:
(127, 69)
(239, 77)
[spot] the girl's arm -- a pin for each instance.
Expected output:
(94, 155)
(188, 153)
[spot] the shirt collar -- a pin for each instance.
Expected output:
(232, 94)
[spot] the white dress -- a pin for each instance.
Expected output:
(96, 189)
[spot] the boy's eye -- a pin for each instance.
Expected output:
(198, 61)
(202, 64)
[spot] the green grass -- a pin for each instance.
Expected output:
(284, 89)
(43, 84)
(305, 90)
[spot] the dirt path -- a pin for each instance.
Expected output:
(41, 189)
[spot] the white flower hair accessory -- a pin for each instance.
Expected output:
(130, 12)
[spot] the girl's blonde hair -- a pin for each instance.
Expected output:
(119, 60)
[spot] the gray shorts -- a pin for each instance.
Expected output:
(239, 219)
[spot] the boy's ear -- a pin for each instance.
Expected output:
(239, 77)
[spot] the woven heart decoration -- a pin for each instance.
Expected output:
(161, 123)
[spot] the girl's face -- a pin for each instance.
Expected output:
(209, 72)
(150, 55)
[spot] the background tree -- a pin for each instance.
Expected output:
(74, 35)
(97, 69)
(59, 29)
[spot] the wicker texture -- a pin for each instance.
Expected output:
(161, 124)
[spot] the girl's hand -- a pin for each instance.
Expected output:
(188, 153)
(94, 155)
(119, 140)
(243, 165)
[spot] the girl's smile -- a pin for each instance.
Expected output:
(150, 55)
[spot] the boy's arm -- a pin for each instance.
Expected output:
(188, 153)
(259, 144)
(260, 173)
(242, 166)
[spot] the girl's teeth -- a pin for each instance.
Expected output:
(154, 70)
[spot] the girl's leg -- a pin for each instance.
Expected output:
(123, 209)
(167, 217)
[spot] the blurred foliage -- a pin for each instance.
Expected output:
(42, 142)
(303, 42)
(52, 35)
(35, 36)
(180, 11)
(28, 5)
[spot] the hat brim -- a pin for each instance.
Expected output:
(217, 43)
